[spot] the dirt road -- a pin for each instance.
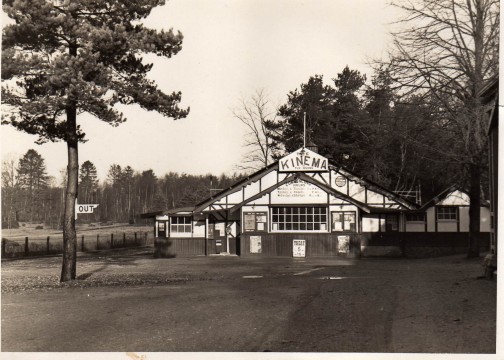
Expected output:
(128, 301)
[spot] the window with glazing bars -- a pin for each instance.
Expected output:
(180, 224)
(447, 213)
(298, 218)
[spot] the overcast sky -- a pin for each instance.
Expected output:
(231, 48)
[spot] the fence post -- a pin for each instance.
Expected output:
(82, 243)
(3, 248)
(136, 242)
(26, 246)
(111, 241)
(48, 239)
(97, 241)
(124, 239)
(145, 238)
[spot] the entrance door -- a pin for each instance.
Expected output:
(220, 240)
(162, 229)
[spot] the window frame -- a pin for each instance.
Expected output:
(344, 212)
(440, 210)
(184, 225)
(294, 217)
(415, 214)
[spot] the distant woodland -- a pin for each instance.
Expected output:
(29, 194)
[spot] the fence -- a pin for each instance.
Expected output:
(52, 245)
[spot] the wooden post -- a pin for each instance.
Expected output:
(48, 239)
(124, 239)
(97, 241)
(111, 241)
(26, 250)
(136, 242)
(3, 248)
(82, 243)
(145, 238)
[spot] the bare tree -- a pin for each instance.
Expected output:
(445, 51)
(255, 113)
(10, 191)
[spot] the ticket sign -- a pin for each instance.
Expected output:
(298, 248)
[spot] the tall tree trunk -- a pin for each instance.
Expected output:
(474, 210)
(69, 267)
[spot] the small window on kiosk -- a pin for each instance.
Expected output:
(343, 221)
(391, 223)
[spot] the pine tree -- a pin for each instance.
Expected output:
(32, 179)
(88, 182)
(62, 58)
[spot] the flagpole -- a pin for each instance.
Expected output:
(304, 131)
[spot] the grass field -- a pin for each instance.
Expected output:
(85, 229)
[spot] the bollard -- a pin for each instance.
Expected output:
(136, 242)
(111, 241)
(124, 239)
(97, 241)
(3, 248)
(48, 250)
(26, 250)
(145, 238)
(82, 243)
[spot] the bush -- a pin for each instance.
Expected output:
(39, 227)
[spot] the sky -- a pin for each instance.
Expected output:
(231, 49)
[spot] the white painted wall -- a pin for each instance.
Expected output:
(464, 218)
(252, 189)
(372, 223)
(199, 228)
(269, 180)
(431, 219)
(415, 226)
(485, 219)
(236, 197)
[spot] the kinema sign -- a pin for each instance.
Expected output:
(303, 160)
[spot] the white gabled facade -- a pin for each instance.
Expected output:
(305, 196)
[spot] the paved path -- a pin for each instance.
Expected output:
(128, 301)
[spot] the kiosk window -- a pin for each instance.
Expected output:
(299, 219)
(447, 213)
(415, 217)
(391, 223)
(343, 221)
(180, 224)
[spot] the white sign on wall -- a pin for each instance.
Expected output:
(303, 160)
(298, 248)
(343, 243)
(298, 191)
(255, 245)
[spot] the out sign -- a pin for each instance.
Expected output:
(84, 209)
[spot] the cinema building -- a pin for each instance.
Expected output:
(306, 205)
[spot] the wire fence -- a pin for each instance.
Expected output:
(53, 245)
